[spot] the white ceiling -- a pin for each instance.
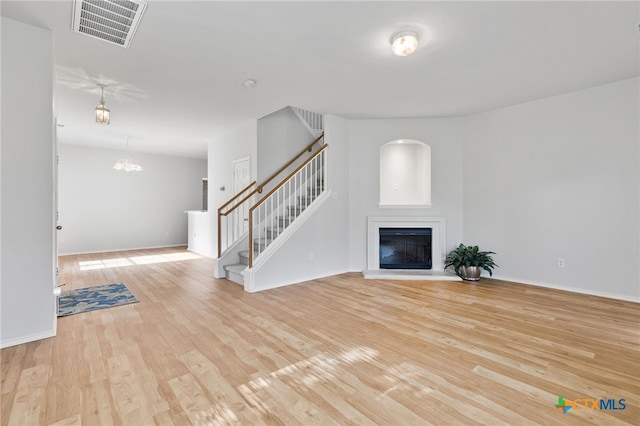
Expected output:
(181, 81)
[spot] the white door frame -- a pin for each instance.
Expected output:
(243, 214)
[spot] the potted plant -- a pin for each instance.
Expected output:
(468, 262)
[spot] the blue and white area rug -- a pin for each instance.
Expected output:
(93, 298)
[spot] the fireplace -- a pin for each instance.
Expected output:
(435, 224)
(405, 248)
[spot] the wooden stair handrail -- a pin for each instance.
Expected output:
(239, 203)
(258, 189)
(283, 181)
(278, 186)
(236, 196)
(261, 186)
(293, 160)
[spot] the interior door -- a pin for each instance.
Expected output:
(241, 179)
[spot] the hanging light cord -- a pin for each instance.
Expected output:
(101, 94)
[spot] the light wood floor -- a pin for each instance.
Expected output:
(339, 350)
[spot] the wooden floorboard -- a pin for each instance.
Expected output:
(337, 350)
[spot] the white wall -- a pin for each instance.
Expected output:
(27, 185)
(559, 178)
(321, 246)
(281, 136)
(444, 135)
(223, 150)
(102, 209)
(199, 226)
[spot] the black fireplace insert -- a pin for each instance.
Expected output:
(405, 248)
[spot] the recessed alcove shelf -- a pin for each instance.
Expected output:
(405, 174)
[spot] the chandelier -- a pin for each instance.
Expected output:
(127, 164)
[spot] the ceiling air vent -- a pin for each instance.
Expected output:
(114, 21)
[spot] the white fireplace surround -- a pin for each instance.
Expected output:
(438, 247)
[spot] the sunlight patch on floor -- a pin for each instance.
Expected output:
(89, 265)
(219, 414)
(406, 378)
(318, 368)
(321, 368)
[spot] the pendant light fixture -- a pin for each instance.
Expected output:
(103, 115)
(127, 164)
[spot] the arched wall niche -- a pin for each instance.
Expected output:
(405, 173)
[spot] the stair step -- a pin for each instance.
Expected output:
(294, 211)
(234, 273)
(260, 244)
(244, 257)
(285, 220)
(237, 268)
(314, 191)
(272, 233)
(305, 200)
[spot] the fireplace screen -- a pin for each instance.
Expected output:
(405, 248)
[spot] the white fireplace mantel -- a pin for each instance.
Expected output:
(438, 247)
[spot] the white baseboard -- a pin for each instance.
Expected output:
(589, 292)
(607, 295)
(198, 252)
(307, 278)
(26, 339)
(122, 249)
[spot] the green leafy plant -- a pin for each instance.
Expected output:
(464, 256)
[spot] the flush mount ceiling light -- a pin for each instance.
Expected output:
(404, 43)
(127, 164)
(103, 115)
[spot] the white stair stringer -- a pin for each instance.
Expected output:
(249, 273)
(313, 121)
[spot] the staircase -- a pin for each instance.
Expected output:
(273, 228)
(313, 121)
(272, 218)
